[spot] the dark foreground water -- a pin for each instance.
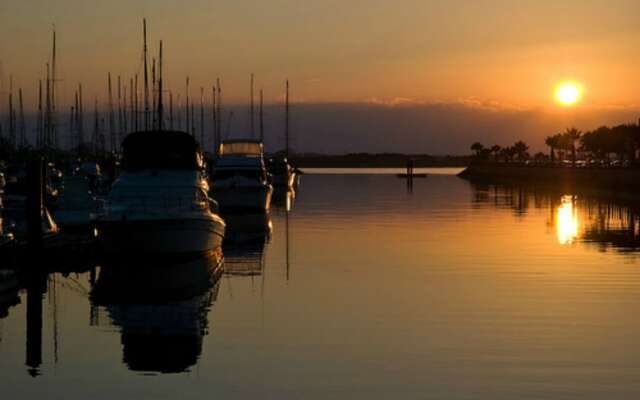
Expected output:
(445, 290)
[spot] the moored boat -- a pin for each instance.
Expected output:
(77, 207)
(283, 174)
(159, 204)
(240, 179)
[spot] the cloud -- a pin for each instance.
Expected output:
(403, 125)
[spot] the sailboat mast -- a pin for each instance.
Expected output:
(202, 117)
(251, 111)
(12, 132)
(136, 110)
(120, 121)
(132, 114)
(80, 116)
(154, 94)
(112, 132)
(52, 121)
(171, 110)
(286, 122)
(146, 75)
(179, 113)
(125, 116)
(193, 121)
(47, 119)
(160, 105)
(40, 121)
(22, 122)
(72, 116)
(214, 121)
(219, 112)
(187, 109)
(261, 116)
(77, 125)
(96, 128)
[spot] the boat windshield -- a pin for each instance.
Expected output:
(241, 148)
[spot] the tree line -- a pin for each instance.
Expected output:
(621, 141)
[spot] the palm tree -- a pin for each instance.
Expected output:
(495, 149)
(572, 135)
(552, 142)
(540, 157)
(477, 148)
(520, 148)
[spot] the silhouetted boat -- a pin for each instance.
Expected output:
(14, 212)
(240, 177)
(283, 174)
(6, 238)
(160, 203)
(77, 207)
(9, 287)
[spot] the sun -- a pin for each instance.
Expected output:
(568, 93)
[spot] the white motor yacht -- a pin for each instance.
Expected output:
(240, 179)
(159, 204)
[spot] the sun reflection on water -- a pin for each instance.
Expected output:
(567, 223)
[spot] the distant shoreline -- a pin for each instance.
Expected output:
(378, 161)
(625, 180)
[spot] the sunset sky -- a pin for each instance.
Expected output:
(500, 55)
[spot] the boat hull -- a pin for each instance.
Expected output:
(160, 237)
(243, 198)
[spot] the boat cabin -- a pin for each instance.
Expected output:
(161, 150)
(242, 147)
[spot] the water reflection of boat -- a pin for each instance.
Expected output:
(9, 286)
(245, 242)
(243, 228)
(161, 310)
(244, 259)
(283, 198)
(160, 203)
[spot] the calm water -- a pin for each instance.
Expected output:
(445, 290)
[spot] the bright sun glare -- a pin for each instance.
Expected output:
(568, 93)
(567, 220)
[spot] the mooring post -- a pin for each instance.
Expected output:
(410, 168)
(36, 287)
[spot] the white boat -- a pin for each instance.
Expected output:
(240, 179)
(159, 204)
